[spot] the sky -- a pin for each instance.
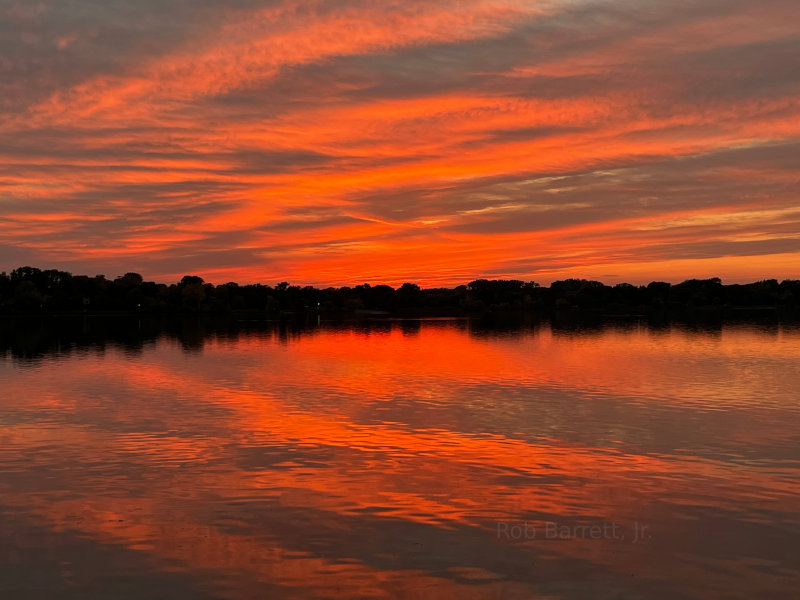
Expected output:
(337, 142)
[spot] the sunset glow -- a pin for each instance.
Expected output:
(340, 142)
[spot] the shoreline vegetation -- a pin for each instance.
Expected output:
(34, 291)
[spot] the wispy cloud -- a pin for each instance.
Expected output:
(342, 141)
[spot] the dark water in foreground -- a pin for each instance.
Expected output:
(403, 460)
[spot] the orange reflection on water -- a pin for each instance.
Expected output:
(344, 462)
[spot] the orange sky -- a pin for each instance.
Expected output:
(339, 142)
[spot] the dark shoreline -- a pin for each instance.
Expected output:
(33, 291)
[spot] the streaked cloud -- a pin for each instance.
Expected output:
(334, 142)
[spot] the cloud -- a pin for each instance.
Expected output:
(333, 142)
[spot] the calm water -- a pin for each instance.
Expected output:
(432, 459)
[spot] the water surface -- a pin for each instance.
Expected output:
(400, 459)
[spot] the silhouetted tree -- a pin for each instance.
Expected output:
(29, 289)
(129, 280)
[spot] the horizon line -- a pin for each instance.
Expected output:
(279, 281)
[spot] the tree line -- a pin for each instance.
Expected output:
(29, 290)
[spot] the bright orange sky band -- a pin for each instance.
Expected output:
(335, 142)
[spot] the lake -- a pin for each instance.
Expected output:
(399, 459)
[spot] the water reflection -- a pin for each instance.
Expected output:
(221, 459)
